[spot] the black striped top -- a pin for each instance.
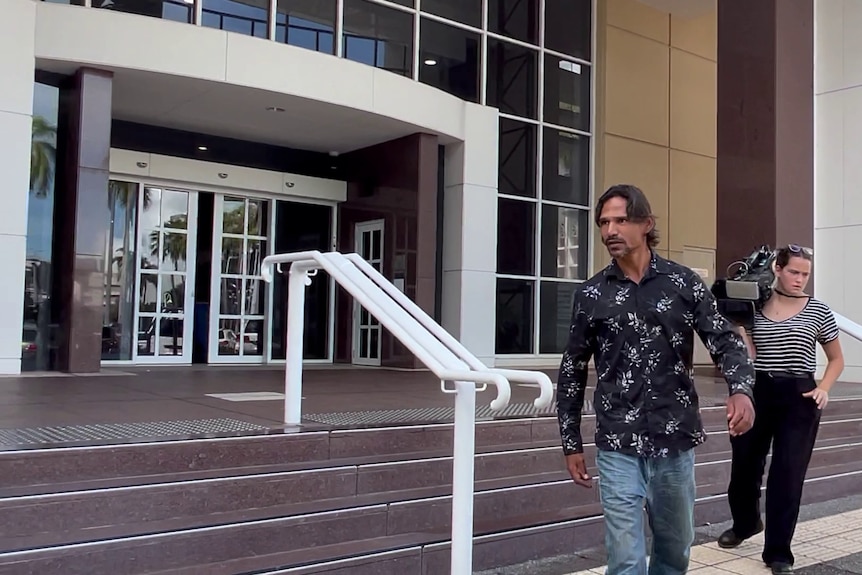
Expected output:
(790, 346)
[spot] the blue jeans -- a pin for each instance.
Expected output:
(666, 487)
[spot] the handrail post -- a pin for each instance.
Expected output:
(463, 462)
(297, 281)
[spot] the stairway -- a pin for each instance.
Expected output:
(369, 501)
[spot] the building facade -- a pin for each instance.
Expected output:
(157, 150)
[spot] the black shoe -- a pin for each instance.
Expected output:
(729, 539)
(781, 568)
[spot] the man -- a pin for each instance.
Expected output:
(637, 318)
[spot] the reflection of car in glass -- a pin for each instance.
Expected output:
(228, 342)
(28, 341)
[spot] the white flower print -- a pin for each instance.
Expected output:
(632, 414)
(663, 305)
(622, 295)
(593, 292)
(683, 397)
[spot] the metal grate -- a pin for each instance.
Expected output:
(422, 414)
(123, 431)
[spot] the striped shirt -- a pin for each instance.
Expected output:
(790, 346)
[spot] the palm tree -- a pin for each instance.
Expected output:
(43, 156)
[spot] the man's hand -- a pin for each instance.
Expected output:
(740, 414)
(578, 469)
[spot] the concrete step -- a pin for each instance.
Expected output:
(52, 519)
(301, 545)
(39, 471)
(245, 545)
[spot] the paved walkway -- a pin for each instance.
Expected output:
(831, 544)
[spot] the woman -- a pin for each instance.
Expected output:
(788, 403)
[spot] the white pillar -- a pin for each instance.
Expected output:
(470, 233)
(17, 66)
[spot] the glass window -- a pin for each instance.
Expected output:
(568, 24)
(566, 167)
(449, 59)
(517, 158)
(513, 83)
(518, 19)
(464, 11)
(565, 239)
(514, 316)
(567, 93)
(177, 10)
(249, 17)
(555, 315)
(118, 305)
(516, 231)
(306, 23)
(378, 36)
(408, 3)
(37, 338)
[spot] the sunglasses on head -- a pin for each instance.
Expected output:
(796, 249)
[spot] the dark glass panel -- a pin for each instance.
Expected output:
(555, 314)
(308, 24)
(567, 93)
(517, 158)
(566, 173)
(378, 36)
(513, 78)
(514, 331)
(464, 11)
(518, 19)
(176, 10)
(449, 59)
(516, 232)
(568, 27)
(247, 17)
(300, 227)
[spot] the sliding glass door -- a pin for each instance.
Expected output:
(237, 300)
(165, 277)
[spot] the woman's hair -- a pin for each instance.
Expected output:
(637, 207)
(783, 255)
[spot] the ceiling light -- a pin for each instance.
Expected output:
(430, 62)
(274, 109)
(202, 148)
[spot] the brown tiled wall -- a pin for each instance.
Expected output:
(765, 125)
(395, 181)
(81, 218)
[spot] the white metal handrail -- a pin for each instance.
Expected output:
(849, 327)
(445, 356)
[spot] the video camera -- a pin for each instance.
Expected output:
(741, 293)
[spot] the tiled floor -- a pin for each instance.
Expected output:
(816, 542)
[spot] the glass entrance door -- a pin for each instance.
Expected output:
(366, 328)
(237, 299)
(165, 276)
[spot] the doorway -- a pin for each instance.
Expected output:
(237, 297)
(366, 328)
(165, 276)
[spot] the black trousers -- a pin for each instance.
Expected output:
(788, 422)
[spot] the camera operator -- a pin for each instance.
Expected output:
(788, 404)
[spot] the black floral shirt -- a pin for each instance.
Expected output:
(641, 339)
